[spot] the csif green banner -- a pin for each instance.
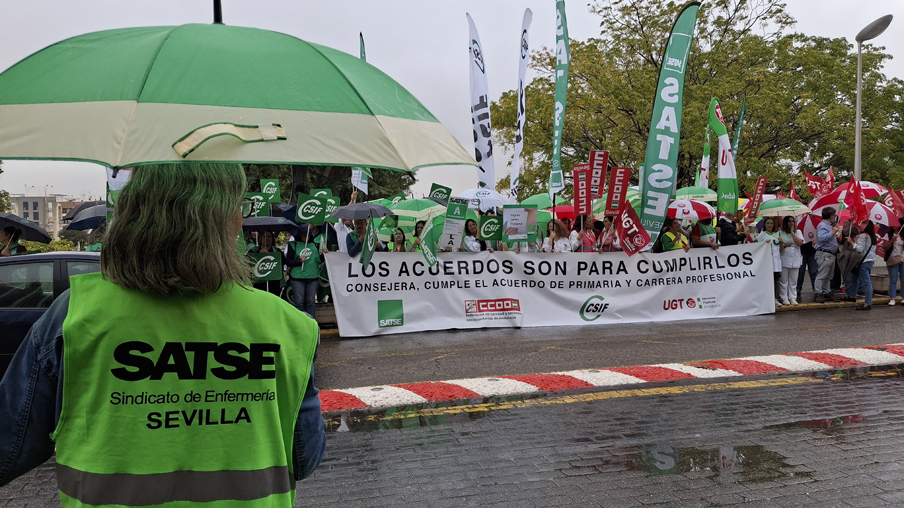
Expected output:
(661, 158)
(563, 56)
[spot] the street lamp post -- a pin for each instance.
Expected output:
(871, 31)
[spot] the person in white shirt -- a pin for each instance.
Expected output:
(557, 241)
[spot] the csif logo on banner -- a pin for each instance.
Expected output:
(390, 313)
(593, 308)
(269, 188)
(264, 266)
(489, 229)
(310, 209)
(478, 54)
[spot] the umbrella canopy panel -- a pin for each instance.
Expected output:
(131, 93)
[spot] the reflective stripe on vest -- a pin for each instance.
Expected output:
(194, 486)
(176, 400)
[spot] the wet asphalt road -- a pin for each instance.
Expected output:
(767, 442)
(437, 356)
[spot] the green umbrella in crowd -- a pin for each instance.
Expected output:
(632, 196)
(542, 201)
(200, 92)
(698, 193)
(417, 209)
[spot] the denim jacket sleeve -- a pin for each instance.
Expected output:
(31, 397)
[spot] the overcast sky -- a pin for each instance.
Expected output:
(421, 44)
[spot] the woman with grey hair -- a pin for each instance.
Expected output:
(166, 378)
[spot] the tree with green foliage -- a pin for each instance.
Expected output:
(801, 92)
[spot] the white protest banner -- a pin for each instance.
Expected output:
(480, 110)
(505, 289)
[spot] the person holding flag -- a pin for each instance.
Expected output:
(303, 260)
(826, 250)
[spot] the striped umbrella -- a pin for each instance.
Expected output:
(632, 196)
(807, 224)
(213, 93)
(690, 209)
(878, 213)
(870, 190)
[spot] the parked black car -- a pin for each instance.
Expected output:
(28, 285)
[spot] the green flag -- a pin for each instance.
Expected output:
(369, 243)
(737, 132)
(429, 239)
(261, 204)
(491, 227)
(267, 266)
(330, 203)
(661, 158)
(440, 192)
(270, 188)
(556, 178)
(311, 209)
(398, 197)
(727, 188)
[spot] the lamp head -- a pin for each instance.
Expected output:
(874, 29)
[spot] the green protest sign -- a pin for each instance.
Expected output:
(490, 227)
(440, 192)
(261, 204)
(332, 203)
(563, 57)
(369, 243)
(428, 243)
(310, 209)
(398, 197)
(320, 193)
(267, 266)
(270, 187)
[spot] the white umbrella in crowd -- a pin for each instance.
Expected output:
(690, 209)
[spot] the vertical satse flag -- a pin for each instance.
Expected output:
(361, 176)
(429, 239)
(661, 158)
(737, 132)
(563, 55)
(524, 56)
(480, 111)
(727, 188)
(703, 174)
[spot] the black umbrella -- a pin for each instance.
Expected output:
(30, 231)
(361, 211)
(90, 218)
(271, 223)
(439, 201)
(80, 208)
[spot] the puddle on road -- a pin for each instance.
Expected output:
(828, 426)
(742, 464)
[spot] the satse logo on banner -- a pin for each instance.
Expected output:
(390, 313)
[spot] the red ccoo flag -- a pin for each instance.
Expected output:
(794, 194)
(631, 233)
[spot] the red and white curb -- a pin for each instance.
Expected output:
(386, 396)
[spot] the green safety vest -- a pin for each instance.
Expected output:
(178, 401)
(311, 265)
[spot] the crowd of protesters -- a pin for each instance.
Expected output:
(792, 258)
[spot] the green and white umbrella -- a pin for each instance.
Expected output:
(632, 196)
(542, 201)
(782, 207)
(698, 193)
(417, 209)
(220, 93)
